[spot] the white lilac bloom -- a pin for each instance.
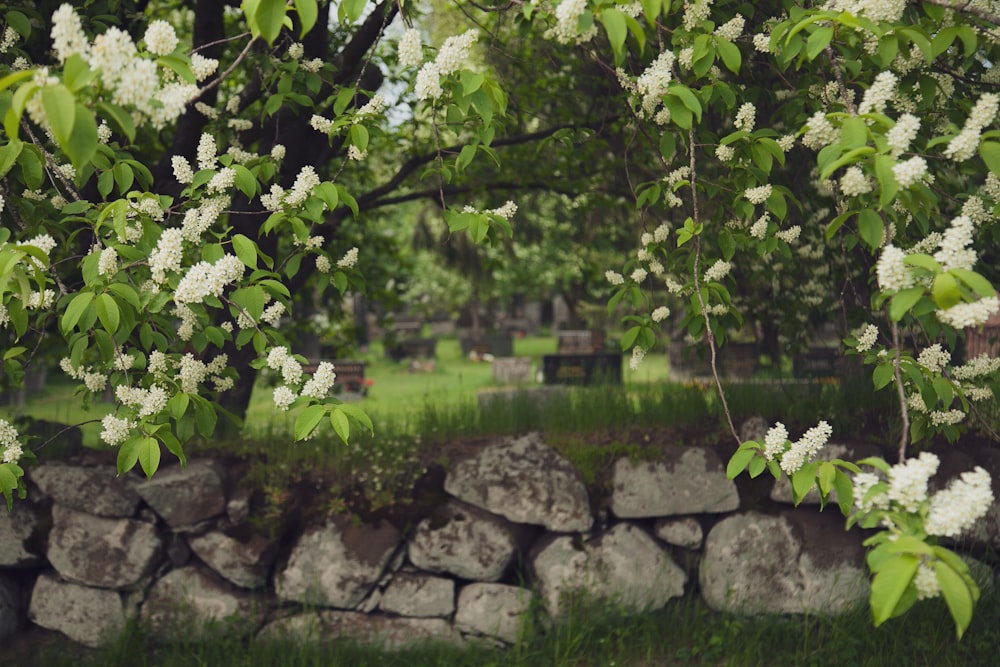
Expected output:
(805, 448)
(954, 251)
(746, 117)
(902, 134)
(67, 33)
(879, 94)
(955, 509)
(854, 182)
(892, 274)
(283, 397)
(965, 315)
(910, 171)
(160, 38)
(775, 441)
(115, 431)
(908, 480)
(409, 50)
(934, 357)
(867, 339)
(717, 271)
(321, 382)
(759, 194)
(9, 442)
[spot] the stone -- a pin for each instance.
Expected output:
(243, 562)
(73, 486)
(799, 561)
(185, 496)
(623, 566)
(512, 370)
(389, 633)
(416, 594)
(685, 532)
(187, 598)
(86, 615)
(10, 607)
(102, 552)
(494, 610)
(17, 528)
(524, 480)
(692, 480)
(462, 541)
(337, 564)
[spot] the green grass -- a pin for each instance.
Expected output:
(684, 633)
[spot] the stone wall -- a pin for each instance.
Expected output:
(87, 550)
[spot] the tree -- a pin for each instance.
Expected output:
(720, 120)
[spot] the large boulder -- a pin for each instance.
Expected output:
(102, 552)
(187, 598)
(337, 564)
(73, 486)
(493, 610)
(690, 480)
(185, 496)
(683, 532)
(463, 541)
(242, 562)
(623, 566)
(525, 481)
(18, 528)
(416, 594)
(390, 633)
(799, 561)
(86, 615)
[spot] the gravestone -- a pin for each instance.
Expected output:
(512, 370)
(586, 369)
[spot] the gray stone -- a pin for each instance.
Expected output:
(494, 610)
(244, 563)
(415, 594)
(390, 633)
(187, 598)
(685, 532)
(512, 370)
(102, 552)
(462, 541)
(798, 562)
(525, 481)
(86, 615)
(185, 496)
(73, 486)
(623, 566)
(10, 606)
(337, 565)
(692, 480)
(16, 530)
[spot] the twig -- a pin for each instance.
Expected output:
(229, 70)
(903, 410)
(967, 8)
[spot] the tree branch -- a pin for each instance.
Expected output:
(967, 8)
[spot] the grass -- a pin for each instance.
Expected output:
(684, 633)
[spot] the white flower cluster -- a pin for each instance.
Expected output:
(567, 27)
(976, 367)
(318, 386)
(652, 84)
(868, 338)
(805, 448)
(934, 358)
(910, 171)
(908, 481)
(10, 442)
(349, 260)
(638, 354)
(854, 182)
(902, 134)
(955, 509)
(890, 271)
(820, 132)
(965, 315)
(775, 441)
(160, 38)
(759, 194)
(719, 270)
(408, 50)
(732, 29)
(147, 402)
(725, 153)
(946, 417)
(746, 117)
(94, 382)
(759, 228)
(954, 251)
(789, 235)
(452, 55)
(879, 94)
(614, 277)
(116, 431)
(661, 313)
(965, 144)
(205, 279)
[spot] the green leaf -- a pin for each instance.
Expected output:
(173, 445)
(82, 143)
(730, 54)
(60, 110)
(882, 375)
(149, 456)
(246, 250)
(357, 414)
(818, 41)
(359, 137)
(308, 12)
(803, 481)
(990, 152)
(308, 419)
(268, 19)
(245, 181)
(471, 81)
(739, 461)
(845, 492)
(9, 154)
(975, 281)
(74, 311)
(945, 291)
(614, 24)
(120, 119)
(108, 313)
(178, 405)
(888, 586)
(687, 97)
(341, 424)
(757, 466)
(903, 301)
(128, 455)
(825, 477)
(870, 228)
(853, 133)
(886, 180)
(957, 595)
